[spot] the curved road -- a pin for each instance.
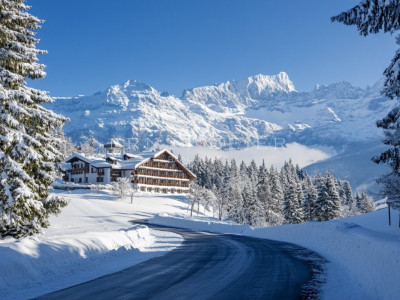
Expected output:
(210, 266)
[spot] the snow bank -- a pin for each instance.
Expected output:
(92, 237)
(363, 252)
(36, 260)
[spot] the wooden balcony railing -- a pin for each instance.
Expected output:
(160, 167)
(160, 184)
(160, 175)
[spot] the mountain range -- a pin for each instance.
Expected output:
(253, 111)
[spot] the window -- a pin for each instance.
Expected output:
(86, 180)
(80, 180)
(100, 179)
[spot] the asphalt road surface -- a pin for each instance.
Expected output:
(211, 266)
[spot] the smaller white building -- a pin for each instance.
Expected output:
(93, 170)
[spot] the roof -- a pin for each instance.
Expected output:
(130, 164)
(77, 156)
(152, 155)
(113, 144)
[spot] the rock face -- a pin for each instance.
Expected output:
(255, 110)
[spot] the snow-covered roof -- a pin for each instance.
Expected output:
(77, 156)
(148, 155)
(113, 144)
(129, 164)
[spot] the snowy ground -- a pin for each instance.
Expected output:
(363, 252)
(90, 238)
(93, 237)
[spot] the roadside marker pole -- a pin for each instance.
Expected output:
(390, 222)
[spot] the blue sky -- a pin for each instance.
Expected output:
(178, 44)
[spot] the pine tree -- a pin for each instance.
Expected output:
(292, 209)
(218, 174)
(234, 195)
(29, 151)
(334, 204)
(253, 211)
(348, 194)
(264, 195)
(373, 16)
(277, 196)
(327, 206)
(366, 204)
(309, 200)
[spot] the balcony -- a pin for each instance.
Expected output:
(161, 175)
(160, 184)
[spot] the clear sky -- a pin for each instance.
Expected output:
(178, 44)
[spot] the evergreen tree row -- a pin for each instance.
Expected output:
(262, 196)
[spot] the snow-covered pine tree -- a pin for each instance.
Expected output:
(196, 166)
(208, 173)
(373, 16)
(347, 200)
(310, 196)
(234, 195)
(29, 151)
(218, 174)
(348, 194)
(292, 210)
(327, 206)
(334, 204)
(253, 172)
(366, 204)
(264, 195)
(253, 211)
(356, 204)
(277, 195)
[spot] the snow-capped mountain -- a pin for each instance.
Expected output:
(238, 113)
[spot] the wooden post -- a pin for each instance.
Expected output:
(390, 221)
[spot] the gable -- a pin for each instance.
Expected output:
(166, 157)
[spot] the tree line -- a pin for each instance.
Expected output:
(265, 196)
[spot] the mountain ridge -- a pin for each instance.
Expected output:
(238, 113)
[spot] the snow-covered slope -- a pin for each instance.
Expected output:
(361, 251)
(239, 113)
(91, 237)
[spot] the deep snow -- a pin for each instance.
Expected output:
(93, 237)
(90, 238)
(363, 252)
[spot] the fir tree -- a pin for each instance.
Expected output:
(277, 195)
(366, 204)
(291, 208)
(253, 211)
(309, 200)
(29, 151)
(373, 16)
(348, 194)
(327, 206)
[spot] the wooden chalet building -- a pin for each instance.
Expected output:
(162, 173)
(151, 172)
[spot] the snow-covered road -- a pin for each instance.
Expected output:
(211, 266)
